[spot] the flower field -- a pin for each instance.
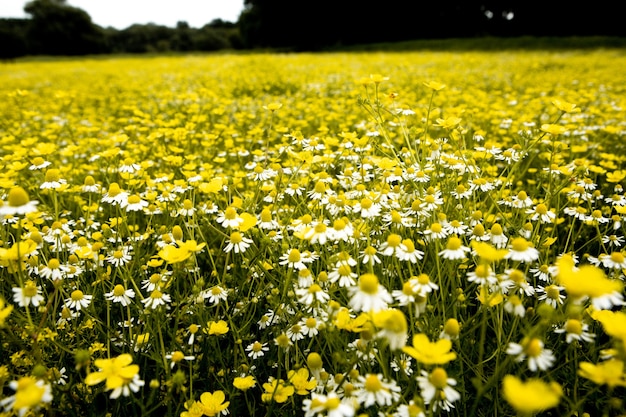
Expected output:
(346, 234)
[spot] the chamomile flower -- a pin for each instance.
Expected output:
(18, 203)
(522, 250)
(30, 394)
(237, 243)
(177, 357)
(29, 294)
(121, 295)
(215, 294)
(437, 388)
(539, 358)
(257, 350)
(311, 294)
(455, 250)
(575, 330)
(229, 218)
(376, 390)
(156, 298)
(78, 300)
(369, 294)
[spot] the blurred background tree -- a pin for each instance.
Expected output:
(56, 28)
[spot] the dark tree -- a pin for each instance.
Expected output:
(58, 29)
(12, 38)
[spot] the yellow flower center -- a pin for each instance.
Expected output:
(54, 263)
(452, 327)
(423, 279)
(266, 215)
(394, 240)
(617, 257)
(372, 383)
(235, 238)
(344, 270)
(177, 356)
(574, 326)
(53, 175)
(496, 229)
(294, 255)
(519, 244)
(436, 228)
(230, 213)
(541, 209)
(368, 283)
(119, 290)
(552, 291)
(482, 271)
(454, 243)
(339, 224)
(366, 203)
(30, 289)
(134, 199)
(18, 197)
(77, 295)
(114, 189)
(439, 378)
(332, 403)
(533, 348)
(314, 288)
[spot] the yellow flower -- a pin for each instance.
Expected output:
(554, 130)
(30, 393)
(430, 353)
(276, 390)
(393, 327)
(4, 311)
(213, 403)
(172, 254)
(610, 372)
(613, 323)
(217, 327)
(273, 107)
(586, 281)
(434, 85)
(487, 252)
(531, 396)
(244, 382)
(566, 107)
(118, 373)
(301, 382)
(448, 123)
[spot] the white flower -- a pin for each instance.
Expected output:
(30, 294)
(522, 251)
(237, 243)
(78, 300)
(257, 349)
(120, 295)
(369, 295)
(538, 357)
(156, 298)
(437, 388)
(376, 390)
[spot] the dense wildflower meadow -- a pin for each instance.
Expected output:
(341, 234)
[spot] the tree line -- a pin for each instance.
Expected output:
(56, 28)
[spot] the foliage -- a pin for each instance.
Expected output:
(402, 234)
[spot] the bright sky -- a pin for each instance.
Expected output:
(122, 13)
